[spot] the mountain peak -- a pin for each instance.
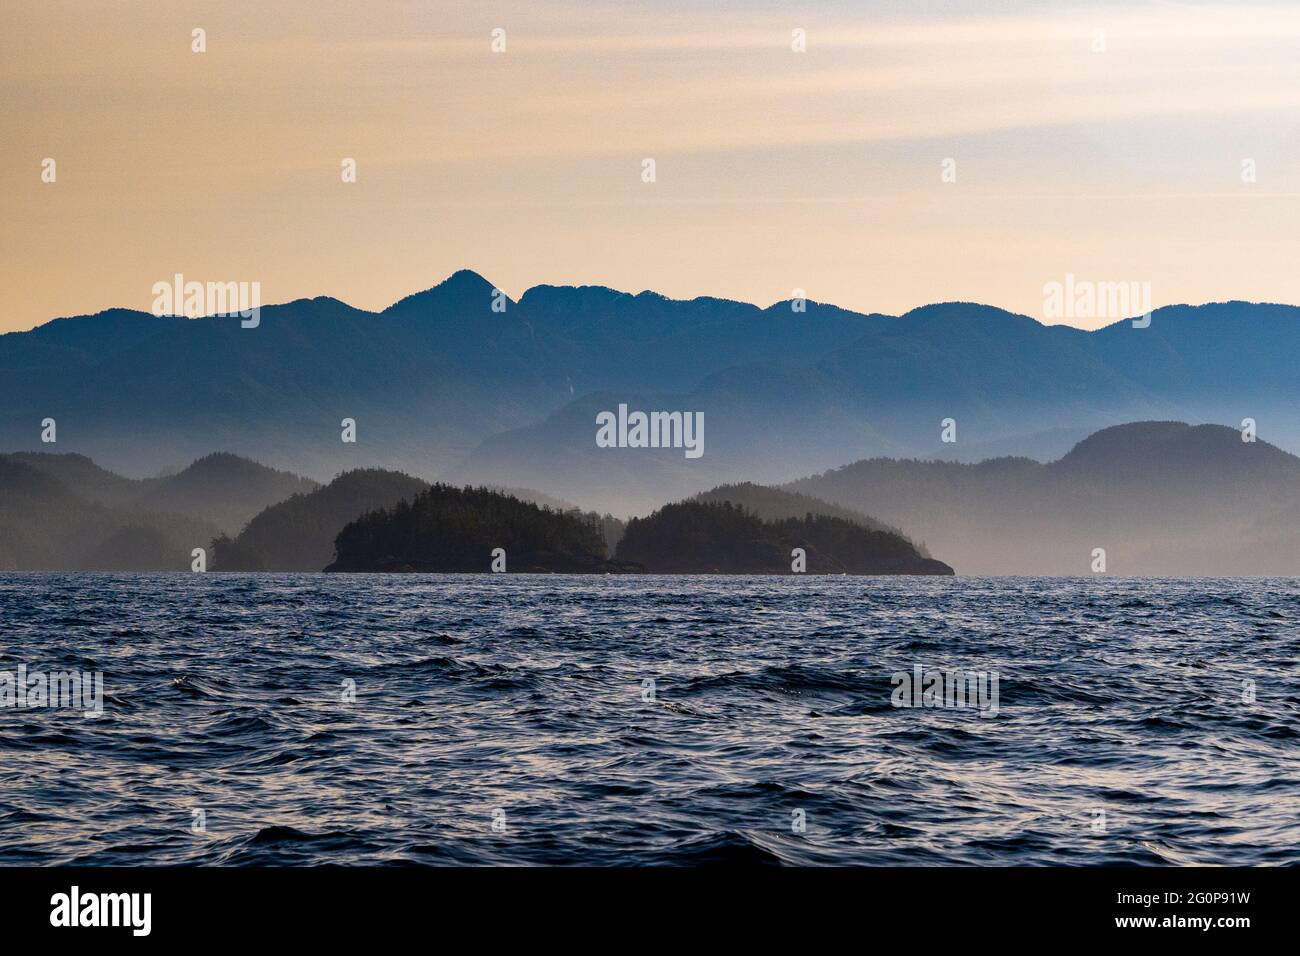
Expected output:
(965, 311)
(462, 288)
(465, 279)
(1168, 444)
(568, 296)
(223, 465)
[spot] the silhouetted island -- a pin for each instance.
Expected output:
(446, 529)
(718, 537)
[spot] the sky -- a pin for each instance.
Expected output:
(1106, 142)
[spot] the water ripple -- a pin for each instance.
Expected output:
(307, 719)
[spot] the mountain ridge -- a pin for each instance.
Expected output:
(442, 386)
(65, 512)
(1160, 498)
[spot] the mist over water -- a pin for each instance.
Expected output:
(477, 695)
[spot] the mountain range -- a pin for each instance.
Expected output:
(444, 387)
(1159, 498)
(64, 512)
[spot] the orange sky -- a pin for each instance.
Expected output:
(776, 170)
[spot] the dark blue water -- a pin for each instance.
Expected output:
(519, 700)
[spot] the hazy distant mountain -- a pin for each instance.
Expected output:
(91, 482)
(225, 489)
(442, 385)
(1161, 498)
(776, 504)
(140, 547)
(46, 526)
(64, 512)
(222, 489)
(717, 537)
(298, 534)
(37, 515)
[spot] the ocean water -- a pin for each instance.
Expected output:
(503, 719)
